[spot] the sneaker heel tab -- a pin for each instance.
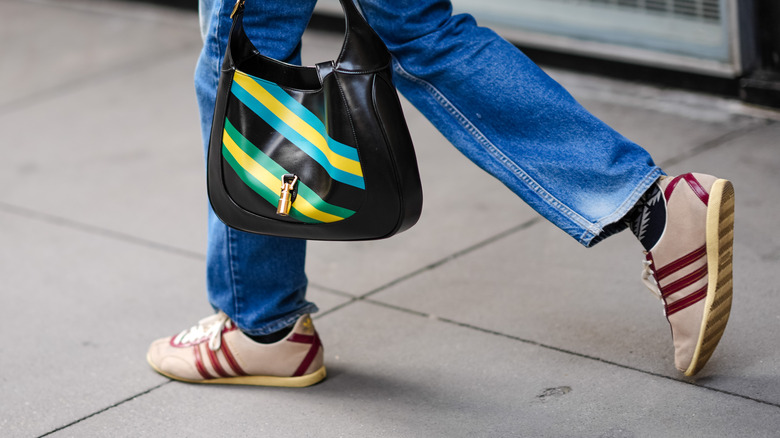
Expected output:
(304, 325)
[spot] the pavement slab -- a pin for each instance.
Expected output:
(482, 320)
(51, 47)
(592, 302)
(83, 307)
(114, 155)
(397, 374)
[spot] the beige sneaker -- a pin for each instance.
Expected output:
(215, 351)
(690, 266)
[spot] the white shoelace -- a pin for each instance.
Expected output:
(207, 328)
(649, 280)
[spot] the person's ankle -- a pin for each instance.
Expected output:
(270, 338)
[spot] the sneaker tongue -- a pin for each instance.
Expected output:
(202, 330)
(211, 319)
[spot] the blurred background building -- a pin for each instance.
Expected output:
(726, 47)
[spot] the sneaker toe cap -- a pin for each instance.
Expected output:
(171, 361)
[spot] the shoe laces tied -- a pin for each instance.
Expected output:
(649, 280)
(207, 328)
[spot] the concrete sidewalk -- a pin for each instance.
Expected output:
(483, 320)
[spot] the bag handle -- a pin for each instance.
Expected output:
(362, 50)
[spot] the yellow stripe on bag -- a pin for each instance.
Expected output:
(298, 124)
(273, 183)
(304, 207)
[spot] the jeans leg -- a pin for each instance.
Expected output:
(510, 118)
(258, 281)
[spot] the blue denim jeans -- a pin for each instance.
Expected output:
(487, 98)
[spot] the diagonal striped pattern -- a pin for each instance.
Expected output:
(694, 185)
(229, 368)
(291, 158)
(263, 175)
(299, 126)
(682, 283)
(680, 263)
(669, 288)
(315, 342)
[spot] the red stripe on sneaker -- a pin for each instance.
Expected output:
(231, 360)
(680, 263)
(215, 363)
(302, 339)
(686, 302)
(697, 188)
(684, 282)
(199, 363)
(694, 184)
(315, 347)
(670, 188)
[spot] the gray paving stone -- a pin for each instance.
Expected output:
(124, 154)
(540, 285)
(667, 123)
(81, 309)
(394, 374)
(51, 45)
(549, 290)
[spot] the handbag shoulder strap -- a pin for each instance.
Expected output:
(362, 49)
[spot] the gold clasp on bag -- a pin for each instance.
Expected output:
(239, 3)
(287, 196)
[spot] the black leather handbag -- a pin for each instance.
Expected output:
(318, 152)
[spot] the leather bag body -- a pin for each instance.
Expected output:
(319, 152)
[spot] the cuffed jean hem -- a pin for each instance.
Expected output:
(497, 161)
(613, 223)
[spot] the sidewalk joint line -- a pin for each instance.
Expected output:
(96, 231)
(525, 225)
(98, 412)
(715, 143)
(102, 76)
(332, 290)
(336, 308)
(517, 228)
(563, 350)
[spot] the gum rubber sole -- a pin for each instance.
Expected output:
(720, 243)
(288, 382)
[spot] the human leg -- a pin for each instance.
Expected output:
(511, 119)
(257, 283)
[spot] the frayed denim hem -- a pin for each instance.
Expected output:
(613, 223)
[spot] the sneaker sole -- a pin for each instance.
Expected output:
(720, 244)
(287, 382)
